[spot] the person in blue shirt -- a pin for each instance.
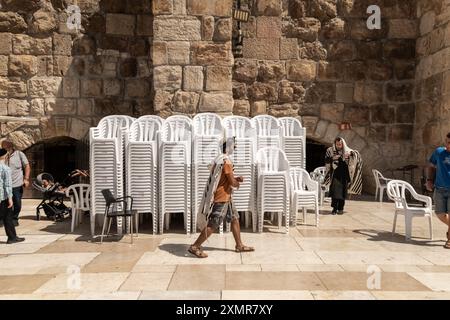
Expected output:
(6, 200)
(440, 161)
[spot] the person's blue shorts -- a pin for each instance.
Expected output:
(442, 200)
(221, 210)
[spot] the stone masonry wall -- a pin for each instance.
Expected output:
(58, 81)
(432, 77)
(317, 59)
(192, 57)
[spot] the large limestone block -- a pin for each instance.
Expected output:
(178, 52)
(43, 21)
(167, 78)
(12, 22)
(44, 87)
(18, 107)
(120, 24)
(205, 53)
(261, 48)
(216, 102)
(174, 28)
(219, 8)
(218, 78)
(301, 70)
(193, 78)
(22, 66)
(24, 44)
(5, 43)
(186, 102)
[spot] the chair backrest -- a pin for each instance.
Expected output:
(207, 124)
(298, 177)
(319, 174)
(271, 160)
(145, 129)
(109, 197)
(378, 177)
(177, 128)
(239, 127)
(290, 127)
(80, 195)
(109, 127)
(396, 191)
(266, 126)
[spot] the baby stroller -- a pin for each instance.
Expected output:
(52, 198)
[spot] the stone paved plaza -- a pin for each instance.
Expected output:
(333, 261)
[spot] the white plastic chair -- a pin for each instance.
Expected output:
(208, 135)
(107, 147)
(381, 184)
(175, 170)
(294, 141)
(80, 201)
(273, 185)
(142, 166)
(243, 159)
(396, 190)
(319, 175)
(304, 194)
(268, 131)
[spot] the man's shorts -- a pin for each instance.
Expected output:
(221, 210)
(442, 200)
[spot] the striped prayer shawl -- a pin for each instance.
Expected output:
(355, 170)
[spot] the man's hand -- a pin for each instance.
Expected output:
(10, 203)
(429, 185)
(26, 183)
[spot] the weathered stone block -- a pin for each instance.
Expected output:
(128, 67)
(218, 78)
(220, 8)
(268, 27)
(204, 53)
(60, 106)
(342, 50)
(12, 89)
(330, 70)
(268, 8)
(207, 28)
(369, 50)
(288, 48)
(249, 28)
(85, 107)
(62, 65)
(357, 115)
(283, 110)
(178, 52)
(359, 30)
(3, 66)
(297, 8)
(44, 87)
(176, 28)
(323, 9)
(3, 107)
(403, 29)
(271, 70)
(18, 107)
(37, 107)
(405, 113)
(331, 133)
(112, 87)
(382, 114)
(162, 100)
(159, 53)
(22, 66)
(258, 107)
(427, 22)
(313, 51)
(71, 88)
(377, 133)
(223, 30)
(399, 92)
(241, 108)
(245, 70)
(355, 71)
(185, 102)
(12, 22)
(334, 29)
(21, 140)
(193, 78)
(263, 91)
(5, 43)
(344, 92)
(378, 71)
(137, 88)
(368, 93)
(167, 78)
(261, 48)
(399, 49)
(162, 7)
(91, 88)
(43, 21)
(239, 90)
(321, 92)
(400, 133)
(216, 102)
(301, 70)
(62, 44)
(120, 24)
(78, 128)
(144, 25)
(333, 112)
(24, 44)
(179, 7)
(305, 29)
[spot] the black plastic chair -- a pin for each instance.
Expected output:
(126, 212)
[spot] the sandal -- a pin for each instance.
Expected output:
(198, 252)
(245, 249)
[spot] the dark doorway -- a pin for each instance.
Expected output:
(57, 156)
(315, 154)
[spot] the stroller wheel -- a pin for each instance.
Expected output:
(38, 216)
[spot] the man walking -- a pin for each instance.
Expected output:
(6, 201)
(440, 162)
(20, 173)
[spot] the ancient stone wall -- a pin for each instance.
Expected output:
(432, 77)
(56, 80)
(317, 59)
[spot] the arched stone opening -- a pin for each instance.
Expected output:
(315, 154)
(57, 156)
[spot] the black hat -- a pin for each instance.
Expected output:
(3, 152)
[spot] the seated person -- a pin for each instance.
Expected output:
(49, 184)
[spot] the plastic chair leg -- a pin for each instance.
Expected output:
(408, 226)
(430, 219)
(395, 222)
(103, 229)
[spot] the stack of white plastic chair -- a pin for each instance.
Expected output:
(142, 166)
(243, 159)
(175, 170)
(319, 175)
(267, 132)
(273, 185)
(107, 160)
(208, 135)
(304, 194)
(293, 139)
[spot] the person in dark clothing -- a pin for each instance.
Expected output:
(337, 161)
